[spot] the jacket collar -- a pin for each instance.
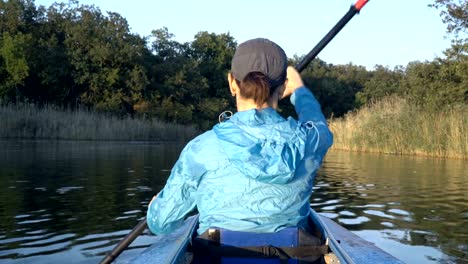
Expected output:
(256, 116)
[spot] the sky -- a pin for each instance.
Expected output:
(388, 33)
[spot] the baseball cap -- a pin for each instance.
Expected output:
(260, 55)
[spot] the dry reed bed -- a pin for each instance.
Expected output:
(394, 126)
(389, 126)
(27, 121)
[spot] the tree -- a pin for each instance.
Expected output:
(214, 52)
(382, 83)
(15, 67)
(436, 85)
(335, 86)
(105, 58)
(454, 14)
(17, 19)
(177, 82)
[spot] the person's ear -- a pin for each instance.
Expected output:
(233, 87)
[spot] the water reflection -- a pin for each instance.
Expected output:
(73, 201)
(410, 202)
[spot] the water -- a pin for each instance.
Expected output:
(415, 208)
(73, 201)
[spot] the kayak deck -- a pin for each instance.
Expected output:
(357, 250)
(346, 246)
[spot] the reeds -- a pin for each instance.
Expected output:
(394, 126)
(27, 121)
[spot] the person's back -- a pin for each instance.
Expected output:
(253, 172)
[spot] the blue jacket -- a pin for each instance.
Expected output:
(252, 173)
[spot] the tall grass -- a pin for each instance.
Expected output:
(394, 126)
(27, 121)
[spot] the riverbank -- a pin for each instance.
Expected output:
(27, 121)
(390, 126)
(393, 126)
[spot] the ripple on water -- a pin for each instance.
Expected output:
(25, 252)
(387, 224)
(347, 213)
(433, 218)
(124, 217)
(22, 216)
(333, 201)
(354, 221)
(329, 215)
(101, 236)
(66, 189)
(399, 212)
(378, 213)
(128, 215)
(322, 184)
(21, 239)
(369, 206)
(50, 241)
(26, 222)
(144, 189)
(132, 212)
(464, 215)
(332, 207)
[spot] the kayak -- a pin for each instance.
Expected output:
(343, 246)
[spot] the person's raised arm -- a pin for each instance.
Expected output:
(309, 112)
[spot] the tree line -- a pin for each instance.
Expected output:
(74, 56)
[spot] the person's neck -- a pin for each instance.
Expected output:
(244, 105)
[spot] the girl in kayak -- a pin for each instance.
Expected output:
(253, 172)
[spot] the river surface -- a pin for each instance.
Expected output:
(71, 202)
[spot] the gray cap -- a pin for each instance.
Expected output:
(260, 55)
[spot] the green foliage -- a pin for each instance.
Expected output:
(439, 84)
(335, 86)
(15, 66)
(382, 83)
(191, 77)
(454, 14)
(74, 55)
(216, 52)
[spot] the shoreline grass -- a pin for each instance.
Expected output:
(393, 126)
(390, 126)
(27, 121)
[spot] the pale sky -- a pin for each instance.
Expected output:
(388, 33)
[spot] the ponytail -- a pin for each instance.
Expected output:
(256, 86)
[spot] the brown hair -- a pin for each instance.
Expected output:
(256, 86)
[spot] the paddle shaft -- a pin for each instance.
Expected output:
(141, 226)
(127, 240)
(331, 34)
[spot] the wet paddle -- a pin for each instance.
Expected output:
(141, 226)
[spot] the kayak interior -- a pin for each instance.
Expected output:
(344, 247)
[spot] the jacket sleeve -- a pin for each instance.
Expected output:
(319, 136)
(178, 197)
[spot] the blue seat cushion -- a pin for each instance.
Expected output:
(288, 237)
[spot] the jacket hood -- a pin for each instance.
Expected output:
(262, 144)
